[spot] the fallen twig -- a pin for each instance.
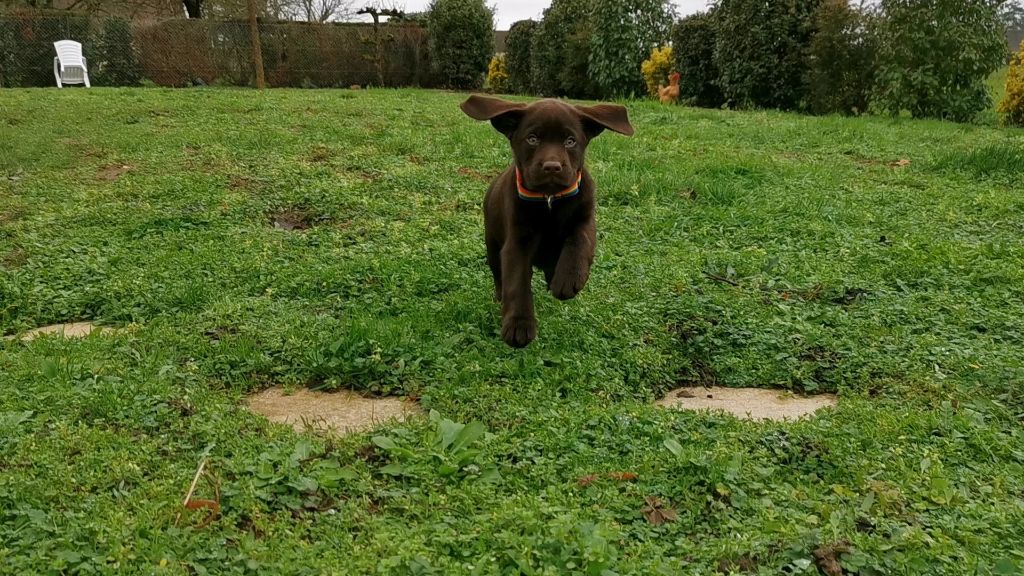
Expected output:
(195, 481)
(718, 278)
(212, 505)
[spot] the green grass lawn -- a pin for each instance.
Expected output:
(997, 90)
(899, 286)
(997, 84)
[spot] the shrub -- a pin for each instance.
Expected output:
(1012, 105)
(657, 68)
(625, 32)
(517, 56)
(693, 48)
(934, 57)
(497, 75)
(842, 59)
(118, 65)
(761, 49)
(561, 48)
(461, 41)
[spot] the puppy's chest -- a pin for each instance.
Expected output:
(551, 224)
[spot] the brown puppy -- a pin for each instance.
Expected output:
(540, 211)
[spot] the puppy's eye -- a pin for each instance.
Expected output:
(532, 140)
(570, 142)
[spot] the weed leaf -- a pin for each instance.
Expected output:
(393, 469)
(449, 431)
(673, 446)
(469, 434)
(301, 452)
(384, 442)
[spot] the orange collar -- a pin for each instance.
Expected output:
(531, 196)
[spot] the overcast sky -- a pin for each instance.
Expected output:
(509, 11)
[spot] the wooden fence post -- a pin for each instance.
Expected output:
(257, 52)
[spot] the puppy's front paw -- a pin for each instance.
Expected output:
(519, 332)
(567, 286)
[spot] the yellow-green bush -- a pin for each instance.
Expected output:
(1012, 106)
(657, 68)
(497, 74)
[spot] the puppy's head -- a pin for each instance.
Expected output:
(549, 138)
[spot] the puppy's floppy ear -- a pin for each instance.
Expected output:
(599, 117)
(504, 115)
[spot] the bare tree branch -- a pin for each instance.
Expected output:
(316, 10)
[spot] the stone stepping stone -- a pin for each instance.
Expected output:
(342, 412)
(70, 330)
(747, 403)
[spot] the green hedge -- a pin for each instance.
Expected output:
(518, 46)
(625, 32)
(561, 50)
(693, 49)
(462, 41)
(935, 55)
(762, 51)
(843, 55)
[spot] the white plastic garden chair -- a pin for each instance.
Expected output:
(69, 65)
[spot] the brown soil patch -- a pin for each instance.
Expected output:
(12, 213)
(242, 183)
(745, 564)
(477, 174)
(827, 557)
(112, 172)
(341, 412)
(747, 403)
(71, 330)
(320, 154)
(14, 259)
(292, 219)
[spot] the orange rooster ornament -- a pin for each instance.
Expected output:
(670, 94)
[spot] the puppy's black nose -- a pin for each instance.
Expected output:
(553, 167)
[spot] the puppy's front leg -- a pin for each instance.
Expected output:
(573, 268)
(518, 323)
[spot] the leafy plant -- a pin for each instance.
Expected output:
(518, 47)
(842, 59)
(762, 51)
(497, 75)
(296, 477)
(450, 450)
(693, 48)
(461, 41)
(561, 49)
(657, 68)
(625, 32)
(363, 365)
(1012, 104)
(934, 57)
